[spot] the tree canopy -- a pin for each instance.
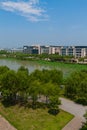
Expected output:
(22, 85)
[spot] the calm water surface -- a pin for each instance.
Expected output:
(15, 64)
(31, 65)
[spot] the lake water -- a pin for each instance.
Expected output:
(15, 64)
(32, 65)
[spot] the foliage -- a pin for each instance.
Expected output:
(76, 87)
(23, 69)
(84, 127)
(34, 91)
(53, 105)
(28, 89)
(3, 69)
(3, 52)
(9, 85)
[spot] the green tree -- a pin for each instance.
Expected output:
(81, 96)
(3, 69)
(84, 127)
(56, 76)
(23, 69)
(23, 84)
(76, 87)
(53, 105)
(36, 75)
(34, 91)
(50, 90)
(9, 85)
(72, 84)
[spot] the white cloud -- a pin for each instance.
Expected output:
(30, 9)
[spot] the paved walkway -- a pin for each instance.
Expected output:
(77, 110)
(4, 124)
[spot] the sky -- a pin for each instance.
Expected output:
(43, 22)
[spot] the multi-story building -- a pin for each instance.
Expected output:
(80, 51)
(44, 49)
(71, 51)
(64, 51)
(55, 50)
(86, 51)
(75, 51)
(31, 49)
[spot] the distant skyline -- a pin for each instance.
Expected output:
(43, 22)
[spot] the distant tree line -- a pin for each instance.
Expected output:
(47, 57)
(44, 56)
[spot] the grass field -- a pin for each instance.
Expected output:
(66, 68)
(39, 119)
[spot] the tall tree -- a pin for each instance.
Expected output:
(34, 91)
(9, 85)
(23, 84)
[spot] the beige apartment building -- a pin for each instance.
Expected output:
(75, 51)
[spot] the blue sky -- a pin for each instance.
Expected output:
(44, 22)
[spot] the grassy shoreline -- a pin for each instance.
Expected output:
(55, 63)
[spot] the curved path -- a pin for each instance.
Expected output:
(77, 110)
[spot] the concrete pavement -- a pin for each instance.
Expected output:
(77, 110)
(5, 125)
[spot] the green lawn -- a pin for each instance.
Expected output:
(39, 119)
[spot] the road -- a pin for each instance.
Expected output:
(77, 110)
